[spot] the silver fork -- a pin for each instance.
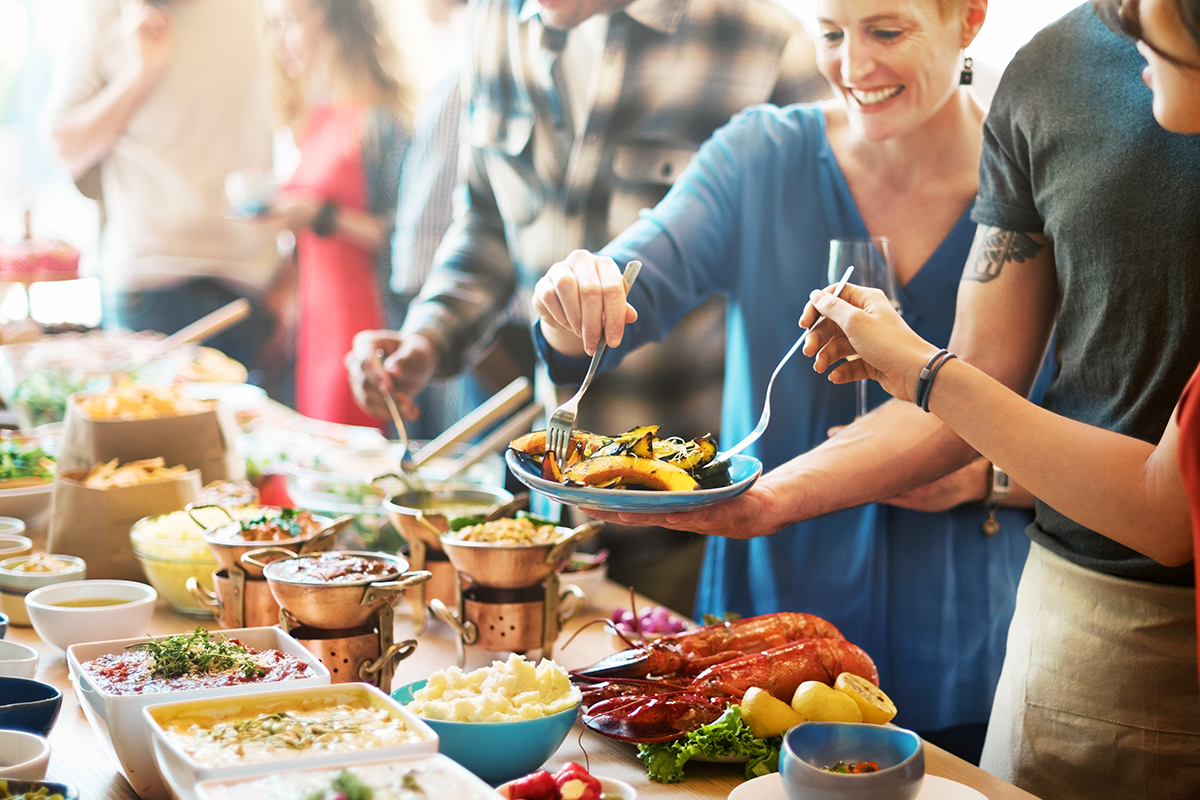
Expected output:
(766, 412)
(562, 421)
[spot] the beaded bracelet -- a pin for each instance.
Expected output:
(923, 379)
(933, 374)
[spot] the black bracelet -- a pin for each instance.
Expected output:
(933, 374)
(325, 220)
(923, 378)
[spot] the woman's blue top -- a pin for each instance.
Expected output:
(928, 596)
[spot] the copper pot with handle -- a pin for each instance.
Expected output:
(227, 548)
(508, 566)
(336, 589)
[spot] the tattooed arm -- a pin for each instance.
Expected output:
(1005, 313)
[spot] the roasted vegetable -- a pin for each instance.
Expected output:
(636, 459)
(629, 470)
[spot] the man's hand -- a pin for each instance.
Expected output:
(152, 34)
(408, 364)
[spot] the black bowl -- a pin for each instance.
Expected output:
(28, 705)
(18, 788)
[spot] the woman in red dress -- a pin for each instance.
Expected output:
(341, 90)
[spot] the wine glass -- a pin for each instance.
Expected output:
(872, 262)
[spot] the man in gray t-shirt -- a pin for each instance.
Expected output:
(1120, 209)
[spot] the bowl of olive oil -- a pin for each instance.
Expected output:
(69, 613)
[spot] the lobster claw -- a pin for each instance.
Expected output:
(634, 662)
(653, 718)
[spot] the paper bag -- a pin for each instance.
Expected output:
(94, 524)
(203, 441)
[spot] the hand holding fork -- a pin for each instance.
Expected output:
(562, 421)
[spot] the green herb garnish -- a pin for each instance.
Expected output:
(196, 652)
(345, 785)
(286, 518)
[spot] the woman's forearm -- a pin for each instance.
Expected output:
(1121, 487)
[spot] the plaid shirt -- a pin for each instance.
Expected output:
(672, 72)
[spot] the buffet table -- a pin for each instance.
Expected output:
(79, 759)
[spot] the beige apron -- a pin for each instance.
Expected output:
(1098, 697)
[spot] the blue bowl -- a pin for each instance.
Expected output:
(810, 746)
(3, 625)
(498, 751)
(18, 788)
(28, 705)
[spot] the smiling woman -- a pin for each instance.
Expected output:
(897, 154)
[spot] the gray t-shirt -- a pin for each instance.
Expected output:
(1072, 151)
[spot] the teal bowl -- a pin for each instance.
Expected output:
(810, 746)
(498, 751)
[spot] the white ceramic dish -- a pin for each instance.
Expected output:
(17, 660)
(439, 775)
(63, 626)
(770, 787)
(12, 543)
(117, 719)
(23, 756)
(181, 772)
(15, 584)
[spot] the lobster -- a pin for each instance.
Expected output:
(691, 652)
(660, 711)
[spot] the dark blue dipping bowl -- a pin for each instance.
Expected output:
(810, 746)
(28, 705)
(18, 788)
(3, 625)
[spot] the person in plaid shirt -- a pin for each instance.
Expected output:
(579, 113)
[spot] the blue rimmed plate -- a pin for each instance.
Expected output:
(743, 471)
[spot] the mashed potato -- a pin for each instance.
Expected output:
(506, 691)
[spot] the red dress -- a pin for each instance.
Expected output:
(339, 292)
(1189, 465)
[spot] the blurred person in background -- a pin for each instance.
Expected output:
(165, 99)
(424, 212)
(342, 89)
(928, 595)
(580, 113)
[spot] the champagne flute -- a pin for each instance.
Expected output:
(872, 262)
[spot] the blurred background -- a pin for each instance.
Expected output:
(29, 176)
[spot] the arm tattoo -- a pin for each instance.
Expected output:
(997, 248)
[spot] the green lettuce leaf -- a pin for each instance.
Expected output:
(727, 736)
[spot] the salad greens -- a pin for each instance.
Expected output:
(196, 652)
(728, 736)
(24, 461)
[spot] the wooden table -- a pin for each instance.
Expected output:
(79, 759)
